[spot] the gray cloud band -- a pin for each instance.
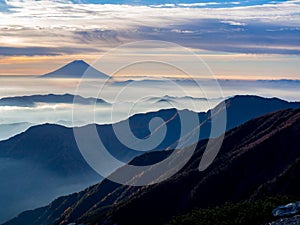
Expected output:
(98, 155)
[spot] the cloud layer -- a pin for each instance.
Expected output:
(58, 27)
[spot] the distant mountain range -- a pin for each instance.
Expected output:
(223, 82)
(258, 158)
(280, 81)
(51, 150)
(178, 98)
(76, 69)
(31, 101)
(8, 130)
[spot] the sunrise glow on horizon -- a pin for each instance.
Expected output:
(237, 40)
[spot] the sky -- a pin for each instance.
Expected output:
(257, 39)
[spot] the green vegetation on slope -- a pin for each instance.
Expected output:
(243, 213)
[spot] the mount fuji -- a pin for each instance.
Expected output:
(76, 69)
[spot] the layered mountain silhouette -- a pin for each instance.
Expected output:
(32, 100)
(76, 69)
(253, 156)
(53, 148)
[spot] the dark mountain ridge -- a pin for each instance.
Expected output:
(252, 155)
(53, 148)
(32, 100)
(266, 147)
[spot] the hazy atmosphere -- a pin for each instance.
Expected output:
(106, 104)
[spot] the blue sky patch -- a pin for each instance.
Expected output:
(3, 6)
